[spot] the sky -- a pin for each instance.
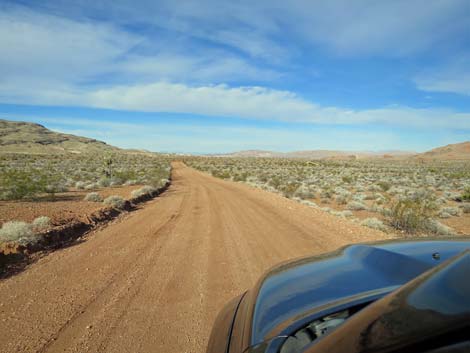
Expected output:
(218, 76)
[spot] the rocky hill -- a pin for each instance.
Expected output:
(456, 151)
(25, 137)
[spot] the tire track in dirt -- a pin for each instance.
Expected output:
(154, 280)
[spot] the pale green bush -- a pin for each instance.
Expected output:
(41, 223)
(356, 206)
(80, 185)
(374, 223)
(145, 190)
(18, 232)
(465, 207)
(93, 197)
(451, 211)
(438, 228)
(115, 201)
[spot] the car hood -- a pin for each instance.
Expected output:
(297, 291)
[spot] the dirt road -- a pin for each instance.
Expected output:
(154, 280)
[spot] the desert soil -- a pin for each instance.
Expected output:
(154, 280)
(65, 207)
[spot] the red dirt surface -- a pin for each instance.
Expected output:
(64, 208)
(154, 280)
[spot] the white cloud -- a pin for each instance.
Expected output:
(262, 103)
(249, 103)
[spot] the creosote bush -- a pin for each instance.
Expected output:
(411, 215)
(115, 201)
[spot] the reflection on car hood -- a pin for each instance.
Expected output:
(429, 311)
(296, 288)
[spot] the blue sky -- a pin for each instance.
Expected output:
(219, 76)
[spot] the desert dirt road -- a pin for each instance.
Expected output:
(153, 280)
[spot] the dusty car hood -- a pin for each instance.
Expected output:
(297, 290)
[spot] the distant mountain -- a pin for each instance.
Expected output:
(25, 137)
(320, 154)
(450, 152)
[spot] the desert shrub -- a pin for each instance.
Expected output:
(17, 231)
(341, 199)
(145, 190)
(380, 199)
(104, 182)
(309, 203)
(80, 185)
(289, 189)
(115, 201)
(411, 215)
(240, 177)
(17, 184)
(441, 200)
(91, 186)
(326, 193)
(326, 209)
(374, 223)
(466, 194)
(359, 197)
(385, 186)
(356, 206)
(465, 208)
(438, 228)
(347, 213)
(374, 188)
(93, 197)
(451, 211)
(131, 182)
(454, 196)
(41, 223)
(443, 214)
(304, 193)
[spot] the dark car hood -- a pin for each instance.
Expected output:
(429, 312)
(297, 290)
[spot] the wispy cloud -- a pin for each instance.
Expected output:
(453, 77)
(390, 28)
